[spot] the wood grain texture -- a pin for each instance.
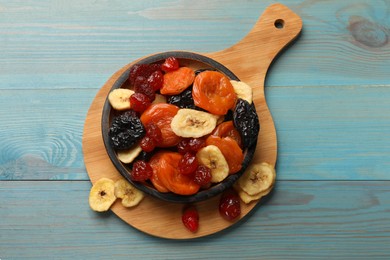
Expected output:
(41, 135)
(301, 219)
(328, 95)
(92, 39)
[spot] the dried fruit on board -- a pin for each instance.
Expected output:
(125, 130)
(246, 121)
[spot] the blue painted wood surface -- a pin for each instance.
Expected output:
(329, 94)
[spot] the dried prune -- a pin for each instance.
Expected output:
(125, 130)
(246, 121)
(229, 116)
(183, 100)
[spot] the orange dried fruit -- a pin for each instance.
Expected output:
(161, 115)
(213, 92)
(230, 150)
(178, 80)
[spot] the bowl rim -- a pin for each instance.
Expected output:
(121, 167)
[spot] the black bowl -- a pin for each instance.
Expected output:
(195, 61)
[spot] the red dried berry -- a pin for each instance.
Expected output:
(170, 64)
(202, 175)
(191, 145)
(147, 144)
(154, 132)
(229, 205)
(156, 80)
(190, 218)
(139, 102)
(145, 89)
(188, 164)
(196, 144)
(182, 146)
(141, 171)
(142, 70)
(138, 82)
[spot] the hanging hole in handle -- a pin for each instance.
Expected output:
(279, 23)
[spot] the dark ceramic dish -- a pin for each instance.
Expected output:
(195, 61)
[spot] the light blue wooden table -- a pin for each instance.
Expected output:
(329, 95)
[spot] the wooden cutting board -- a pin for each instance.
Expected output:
(249, 60)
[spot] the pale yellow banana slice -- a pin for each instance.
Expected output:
(128, 193)
(193, 123)
(102, 195)
(128, 156)
(257, 178)
(120, 98)
(246, 198)
(212, 157)
(243, 90)
(159, 99)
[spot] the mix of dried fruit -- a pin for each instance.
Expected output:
(182, 131)
(184, 127)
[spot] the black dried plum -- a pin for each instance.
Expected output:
(246, 121)
(125, 130)
(183, 100)
(229, 116)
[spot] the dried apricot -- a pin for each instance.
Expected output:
(230, 150)
(161, 115)
(227, 129)
(166, 165)
(178, 80)
(155, 164)
(213, 92)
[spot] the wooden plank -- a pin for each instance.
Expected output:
(347, 41)
(300, 219)
(41, 134)
(324, 133)
(331, 133)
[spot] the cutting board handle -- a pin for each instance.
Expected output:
(250, 59)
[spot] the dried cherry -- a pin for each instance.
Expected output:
(188, 164)
(139, 102)
(142, 70)
(170, 64)
(190, 218)
(147, 143)
(156, 80)
(145, 89)
(190, 145)
(141, 171)
(229, 205)
(202, 175)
